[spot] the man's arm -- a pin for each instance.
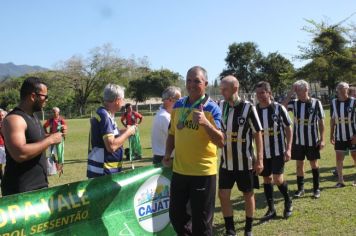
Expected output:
(259, 149)
(216, 136)
(112, 143)
(289, 137)
(123, 118)
(332, 130)
(166, 161)
(14, 128)
(64, 127)
(288, 98)
(322, 133)
(45, 126)
(140, 117)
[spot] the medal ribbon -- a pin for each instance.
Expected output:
(185, 112)
(227, 111)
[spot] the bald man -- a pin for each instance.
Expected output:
(241, 126)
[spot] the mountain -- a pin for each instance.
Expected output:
(12, 70)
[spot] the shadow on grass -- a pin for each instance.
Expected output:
(142, 160)
(75, 161)
(325, 176)
(238, 204)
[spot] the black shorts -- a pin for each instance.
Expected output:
(273, 165)
(157, 159)
(243, 179)
(344, 146)
(299, 153)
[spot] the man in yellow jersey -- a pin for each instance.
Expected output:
(194, 135)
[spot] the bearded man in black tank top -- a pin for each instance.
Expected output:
(25, 141)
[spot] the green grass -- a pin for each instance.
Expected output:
(333, 214)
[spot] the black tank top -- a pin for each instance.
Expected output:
(31, 174)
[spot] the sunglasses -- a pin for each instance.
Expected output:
(42, 95)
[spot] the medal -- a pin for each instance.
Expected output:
(180, 125)
(185, 112)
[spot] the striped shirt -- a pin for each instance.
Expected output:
(344, 113)
(274, 118)
(239, 123)
(100, 161)
(306, 119)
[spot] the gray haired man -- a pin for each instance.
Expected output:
(106, 154)
(161, 122)
(308, 133)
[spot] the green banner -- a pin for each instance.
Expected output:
(130, 203)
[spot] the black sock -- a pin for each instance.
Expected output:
(315, 178)
(268, 188)
(248, 224)
(283, 188)
(229, 223)
(300, 182)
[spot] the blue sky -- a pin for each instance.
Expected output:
(172, 34)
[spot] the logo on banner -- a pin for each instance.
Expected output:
(151, 204)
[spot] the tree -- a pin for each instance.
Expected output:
(10, 92)
(331, 58)
(243, 60)
(60, 93)
(87, 77)
(152, 84)
(277, 70)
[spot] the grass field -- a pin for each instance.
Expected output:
(333, 214)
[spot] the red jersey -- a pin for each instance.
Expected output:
(2, 142)
(131, 118)
(53, 124)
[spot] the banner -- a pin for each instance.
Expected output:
(130, 203)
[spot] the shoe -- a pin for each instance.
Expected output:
(288, 209)
(230, 232)
(138, 158)
(339, 185)
(270, 214)
(249, 233)
(299, 193)
(316, 193)
(334, 172)
(354, 183)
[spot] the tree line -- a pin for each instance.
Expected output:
(76, 84)
(330, 57)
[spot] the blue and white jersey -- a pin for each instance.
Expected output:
(100, 161)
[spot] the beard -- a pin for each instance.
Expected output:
(37, 106)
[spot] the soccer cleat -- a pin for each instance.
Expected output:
(230, 232)
(339, 185)
(316, 193)
(334, 172)
(249, 233)
(299, 193)
(270, 214)
(288, 209)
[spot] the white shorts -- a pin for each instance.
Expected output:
(2, 155)
(52, 150)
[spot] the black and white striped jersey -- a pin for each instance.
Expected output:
(274, 119)
(239, 123)
(306, 121)
(344, 113)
